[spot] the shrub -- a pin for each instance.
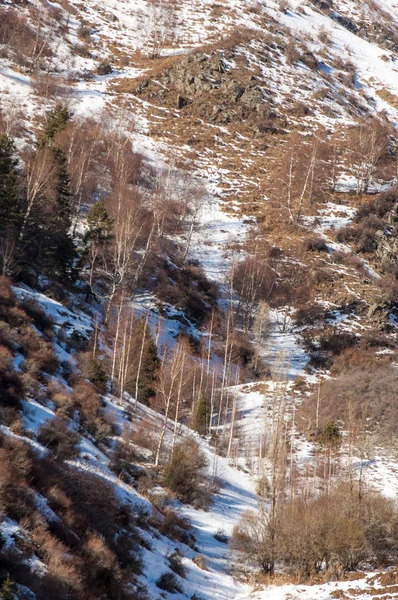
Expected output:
(169, 583)
(37, 314)
(82, 50)
(104, 68)
(64, 404)
(183, 473)
(5, 358)
(92, 370)
(57, 437)
(175, 563)
(124, 457)
(87, 401)
(335, 343)
(22, 39)
(316, 244)
(176, 528)
(189, 289)
(335, 532)
(11, 389)
(43, 359)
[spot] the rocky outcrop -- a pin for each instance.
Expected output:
(387, 238)
(213, 88)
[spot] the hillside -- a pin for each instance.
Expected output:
(198, 299)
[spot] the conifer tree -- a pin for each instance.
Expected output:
(99, 224)
(56, 121)
(10, 213)
(149, 362)
(201, 416)
(52, 245)
(7, 589)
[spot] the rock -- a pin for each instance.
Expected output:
(253, 98)
(181, 102)
(237, 92)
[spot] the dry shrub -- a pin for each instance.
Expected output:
(84, 32)
(8, 336)
(46, 87)
(291, 52)
(175, 563)
(5, 357)
(316, 244)
(184, 473)
(16, 500)
(11, 391)
(56, 556)
(175, 527)
(169, 583)
(189, 289)
(6, 296)
(335, 533)
(57, 437)
(145, 435)
(23, 41)
(104, 68)
(99, 552)
(361, 393)
(125, 456)
(337, 342)
(43, 359)
(378, 206)
(64, 404)
(82, 50)
(87, 401)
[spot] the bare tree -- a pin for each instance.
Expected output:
(365, 145)
(167, 388)
(37, 178)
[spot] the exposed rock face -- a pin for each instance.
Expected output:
(387, 238)
(214, 87)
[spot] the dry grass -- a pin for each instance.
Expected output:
(388, 97)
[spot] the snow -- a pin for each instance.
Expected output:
(326, 591)
(35, 414)
(66, 320)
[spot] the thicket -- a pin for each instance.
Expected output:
(184, 473)
(334, 533)
(362, 397)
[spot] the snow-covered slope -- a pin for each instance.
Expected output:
(344, 69)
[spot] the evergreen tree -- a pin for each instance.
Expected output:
(200, 418)
(7, 590)
(331, 435)
(50, 236)
(60, 224)
(149, 363)
(56, 121)
(10, 211)
(99, 224)
(63, 193)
